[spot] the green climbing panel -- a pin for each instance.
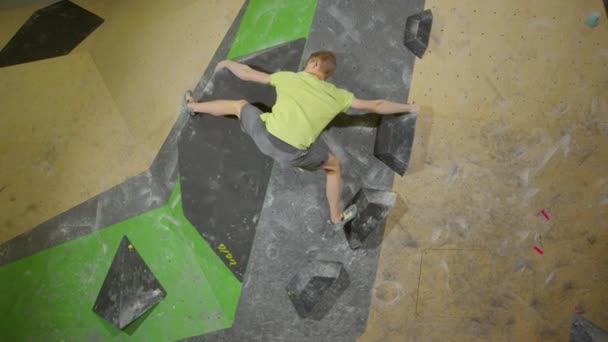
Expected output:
(50, 295)
(268, 23)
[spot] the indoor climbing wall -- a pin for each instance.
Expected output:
(102, 112)
(514, 121)
(498, 229)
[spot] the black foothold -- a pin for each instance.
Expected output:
(129, 290)
(316, 288)
(418, 32)
(394, 141)
(373, 207)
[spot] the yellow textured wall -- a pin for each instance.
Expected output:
(515, 119)
(150, 52)
(58, 146)
(72, 127)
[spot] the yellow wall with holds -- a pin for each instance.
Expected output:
(73, 127)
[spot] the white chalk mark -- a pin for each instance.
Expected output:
(501, 129)
(436, 234)
(98, 214)
(541, 23)
(444, 266)
(175, 202)
(172, 220)
(346, 22)
(406, 76)
(531, 193)
(550, 278)
(523, 235)
(388, 292)
(561, 108)
(563, 143)
(524, 177)
(208, 87)
(604, 200)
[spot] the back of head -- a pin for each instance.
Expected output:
(326, 60)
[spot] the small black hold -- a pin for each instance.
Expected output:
(418, 32)
(373, 206)
(316, 287)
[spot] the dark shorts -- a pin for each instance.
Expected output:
(311, 159)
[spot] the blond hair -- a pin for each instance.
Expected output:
(326, 59)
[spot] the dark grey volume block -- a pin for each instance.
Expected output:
(223, 174)
(373, 207)
(129, 290)
(394, 141)
(52, 31)
(316, 288)
(582, 330)
(418, 32)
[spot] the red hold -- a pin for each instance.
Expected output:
(544, 213)
(540, 251)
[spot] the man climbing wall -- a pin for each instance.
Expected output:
(305, 105)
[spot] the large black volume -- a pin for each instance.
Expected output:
(394, 141)
(129, 290)
(52, 31)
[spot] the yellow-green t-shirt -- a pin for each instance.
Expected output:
(304, 107)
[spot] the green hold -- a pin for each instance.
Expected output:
(593, 20)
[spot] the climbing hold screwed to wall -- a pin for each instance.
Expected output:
(316, 288)
(130, 288)
(373, 206)
(394, 141)
(418, 32)
(593, 20)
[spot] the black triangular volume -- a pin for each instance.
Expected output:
(130, 288)
(50, 32)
